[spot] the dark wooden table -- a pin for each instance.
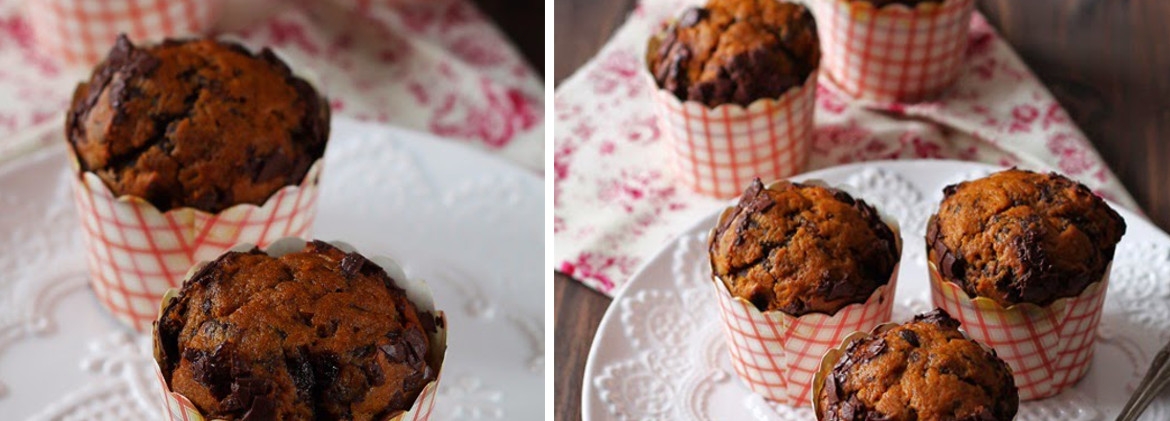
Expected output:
(523, 22)
(1107, 62)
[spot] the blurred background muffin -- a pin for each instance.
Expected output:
(196, 123)
(921, 370)
(314, 334)
(736, 51)
(800, 248)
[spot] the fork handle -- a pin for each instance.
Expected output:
(1155, 380)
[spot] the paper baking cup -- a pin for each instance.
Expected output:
(776, 354)
(137, 253)
(833, 355)
(80, 32)
(717, 151)
(1048, 348)
(176, 407)
(893, 53)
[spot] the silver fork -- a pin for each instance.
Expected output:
(1156, 379)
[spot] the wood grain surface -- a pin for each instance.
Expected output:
(523, 22)
(1107, 62)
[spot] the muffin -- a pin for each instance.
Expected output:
(921, 370)
(1022, 259)
(317, 333)
(800, 248)
(196, 123)
(182, 149)
(795, 269)
(736, 51)
(1023, 237)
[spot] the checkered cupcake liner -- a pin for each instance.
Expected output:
(717, 151)
(834, 355)
(177, 407)
(80, 32)
(893, 53)
(1048, 348)
(777, 355)
(136, 253)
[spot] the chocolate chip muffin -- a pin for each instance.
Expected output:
(735, 51)
(908, 3)
(315, 334)
(924, 370)
(802, 248)
(1022, 237)
(196, 123)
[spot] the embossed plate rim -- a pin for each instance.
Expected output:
(609, 345)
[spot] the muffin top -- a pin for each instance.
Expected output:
(802, 248)
(314, 334)
(196, 123)
(1023, 237)
(736, 51)
(908, 3)
(922, 370)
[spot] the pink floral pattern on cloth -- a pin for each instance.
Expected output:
(438, 66)
(615, 201)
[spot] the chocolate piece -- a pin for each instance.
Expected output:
(196, 123)
(883, 377)
(910, 337)
(736, 51)
(801, 248)
(1023, 237)
(314, 334)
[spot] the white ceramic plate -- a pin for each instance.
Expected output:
(469, 224)
(659, 352)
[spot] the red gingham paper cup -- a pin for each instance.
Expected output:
(778, 355)
(137, 253)
(1048, 348)
(177, 407)
(80, 32)
(717, 151)
(893, 53)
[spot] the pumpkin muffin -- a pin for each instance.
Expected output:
(800, 248)
(315, 334)
(196, 123)
(924, 370)
(1023, 237)
(736, 51)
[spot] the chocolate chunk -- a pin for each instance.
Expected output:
(427, 320)
(416, 346)
(352, 264)
(395, 352)
(301, 371)
(263, 409)
(939, 317)
(832, 391)
(910, 337)
(875, 349)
